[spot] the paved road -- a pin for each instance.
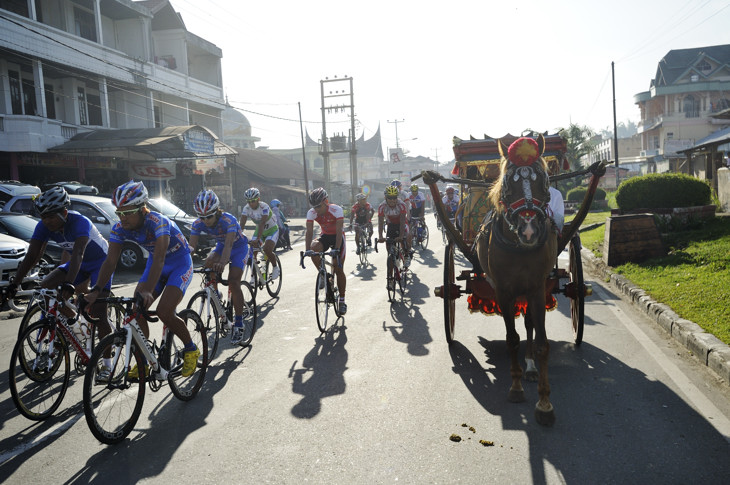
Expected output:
(376, 401)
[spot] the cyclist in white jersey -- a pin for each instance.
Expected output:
(267, 227)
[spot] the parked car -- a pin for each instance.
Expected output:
(21, 226)
(74, 188)
(9, 189)
(183, 220)
(12, 252)
(100, 211)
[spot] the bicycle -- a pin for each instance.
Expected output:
(398, 272)
(326, 292)
(112, 399)
(260, 267)
(217, 314)
(42, 350)
(420, 233)
(361, 241)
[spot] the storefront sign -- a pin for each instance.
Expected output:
(198, 141)
(152, 170)
(205, 165)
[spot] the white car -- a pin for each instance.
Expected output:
(12, 252)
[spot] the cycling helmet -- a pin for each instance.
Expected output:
(317, 196)
(131, 193)
(52, 200)
(361, 197)
(414, 188)
(252, 194)
(449, 189)
(206, 203)
(391, 191)
(396, 183)
(275, 203)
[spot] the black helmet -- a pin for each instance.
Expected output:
(317, 196)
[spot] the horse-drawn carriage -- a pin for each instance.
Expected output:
(507, 231)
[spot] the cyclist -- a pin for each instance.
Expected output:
(394, 212)
(418, 207)
(231, 247)
(362, 212)
(169, 265)
(451, 201)
(267, 229)
(84, 251)
(282, 222)
(330, 218)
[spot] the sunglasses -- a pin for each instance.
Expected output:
(318, 205)
(127, 212)
(391, 198)
(252, 200)
(209, 216)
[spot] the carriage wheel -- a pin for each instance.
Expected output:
(449, 303)
(577, 304)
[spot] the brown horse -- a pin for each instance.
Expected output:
(517, 252)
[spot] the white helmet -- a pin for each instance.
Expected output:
(252, 194)
(206, 203)
(131, 193)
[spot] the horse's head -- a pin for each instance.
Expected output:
(522, 191)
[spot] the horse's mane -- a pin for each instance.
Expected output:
(495, 193)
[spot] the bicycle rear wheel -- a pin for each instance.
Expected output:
(320, 303)
(208, 313)
(39, 377)
(423, 238)
(185, 388)
(112, 404)
(274, 286)
(250, 321)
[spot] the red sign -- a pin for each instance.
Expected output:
(152, 170)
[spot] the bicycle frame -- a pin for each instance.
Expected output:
(47, 298)
(134, 332)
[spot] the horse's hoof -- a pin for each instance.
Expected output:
(516, 395)
(545, 418)
(531, 375)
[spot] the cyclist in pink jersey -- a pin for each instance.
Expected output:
(330, 218)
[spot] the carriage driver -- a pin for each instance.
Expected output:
(556, 206)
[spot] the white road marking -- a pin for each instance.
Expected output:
(54, 430)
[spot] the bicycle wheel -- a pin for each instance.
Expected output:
(273, 286)
(38, 375)
(185, 388)
(423, 238)
(112, 405)
(250, 290)
(208, 313)
(320, 303)
(390, 285)
(362, 246)
(250, 322)
(34, 314)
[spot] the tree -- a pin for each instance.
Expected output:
(625, 130)
(579, 144)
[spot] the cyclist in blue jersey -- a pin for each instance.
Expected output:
(169, 267)
(84, 250)
(231, 247)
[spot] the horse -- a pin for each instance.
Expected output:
(517, 250)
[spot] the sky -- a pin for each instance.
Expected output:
(445, 69)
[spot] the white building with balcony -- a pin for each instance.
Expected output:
(72, 66)
(689, 88)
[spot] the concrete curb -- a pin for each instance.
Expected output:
(704, 346)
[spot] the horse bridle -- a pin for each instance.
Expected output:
(527, 203)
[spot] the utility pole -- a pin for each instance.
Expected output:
(396, 131)
(304, 153)
(326, 148)
(615, 131)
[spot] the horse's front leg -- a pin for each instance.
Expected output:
(531, 373)
(544, 412)
(516, 392)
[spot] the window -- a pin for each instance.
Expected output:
(158, 117)
(690, 107)
(84, 24)
(50, 101)
(86, 210)
(29, 101)
(94, 108)
(16, 6)
(704, 66)
(83, 113)
(16, 98)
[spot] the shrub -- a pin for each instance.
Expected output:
(600, 194)
(577, 194)
(666, 190)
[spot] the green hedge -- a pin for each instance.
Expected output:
(665, 190)
(577, 194)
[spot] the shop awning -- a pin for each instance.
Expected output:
(147, 144)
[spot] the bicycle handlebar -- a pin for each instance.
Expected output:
(216, 275)
(302, 254)
(136, 301)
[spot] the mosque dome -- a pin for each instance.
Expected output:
(235, 123)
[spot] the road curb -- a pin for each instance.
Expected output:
(705, 347)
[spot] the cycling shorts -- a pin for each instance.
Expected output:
(239, 256)
(328, 241)
(177, 272)
(88, 271)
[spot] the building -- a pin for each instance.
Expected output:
(690, 88)
(69, 67)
